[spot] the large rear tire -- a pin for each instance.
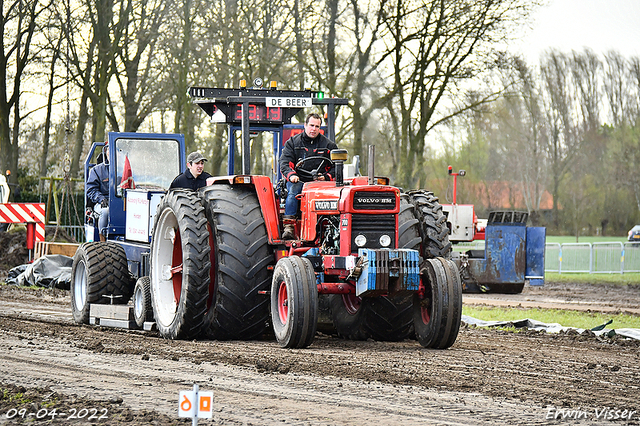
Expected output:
(382, 318)
(294, 302)
(432, 224)
(391, 318)
(349, 316)
(180, 265)
(240, 258)
(99, 273)
(437, 314)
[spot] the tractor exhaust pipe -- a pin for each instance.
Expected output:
(339, 156)
(372, 154)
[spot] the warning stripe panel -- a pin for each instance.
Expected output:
(22, 213)
(40, 231)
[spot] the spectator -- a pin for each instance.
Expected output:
(194, 177)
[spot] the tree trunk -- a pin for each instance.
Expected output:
(47, 121)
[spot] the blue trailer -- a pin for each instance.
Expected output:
(513, 255)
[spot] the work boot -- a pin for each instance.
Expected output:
(289, 232)
(103, 238)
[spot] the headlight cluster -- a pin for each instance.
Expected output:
(361, 240)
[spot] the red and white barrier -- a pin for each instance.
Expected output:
(30, 213)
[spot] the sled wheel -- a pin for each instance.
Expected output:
(142, 309)
(437, 314)
(99, 274)
(294, 302)
(180, 264)
(240, 256)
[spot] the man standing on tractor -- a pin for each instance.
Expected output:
(194, 177)
(309, 143)
(98, 191)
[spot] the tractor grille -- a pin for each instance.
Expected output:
(373, 226)
(368, 200)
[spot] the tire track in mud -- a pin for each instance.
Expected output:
(241, 395)
(487, 377)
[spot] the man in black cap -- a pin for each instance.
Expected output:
(194, 177)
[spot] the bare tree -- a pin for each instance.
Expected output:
(138, 73)
(622, 88)
(18, 25)
(434, 47)
(55, 38)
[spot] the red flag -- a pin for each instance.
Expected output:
(127, 177)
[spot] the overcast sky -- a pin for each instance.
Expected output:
(601, 25)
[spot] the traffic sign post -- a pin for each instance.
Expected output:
(195, 404)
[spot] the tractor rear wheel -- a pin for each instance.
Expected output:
(349, 316)
(381, 318)
(432, 226)
(179, 264)
(99, 273)
(438, 312)
(240, 258)
(142, 309)
(294, 302)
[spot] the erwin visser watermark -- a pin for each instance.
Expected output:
(603, 413)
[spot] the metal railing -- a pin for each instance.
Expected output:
(75, 231)
(592, 258)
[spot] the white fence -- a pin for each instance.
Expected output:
(592, 258)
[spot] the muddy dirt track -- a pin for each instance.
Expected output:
(491, 377)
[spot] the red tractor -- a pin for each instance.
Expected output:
(368, 258)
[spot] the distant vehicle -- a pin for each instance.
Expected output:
(4, 190)
(4, 198)
(634, 234)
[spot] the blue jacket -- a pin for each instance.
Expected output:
(98, 183)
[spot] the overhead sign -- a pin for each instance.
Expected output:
(289, 102)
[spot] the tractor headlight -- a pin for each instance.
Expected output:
(361, 240)
(385, 240)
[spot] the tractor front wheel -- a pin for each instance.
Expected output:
(99, 273)
(437, 312)
(294, 302)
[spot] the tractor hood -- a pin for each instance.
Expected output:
(325, 198)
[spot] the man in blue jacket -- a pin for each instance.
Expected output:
(98, 191)
(309, 143)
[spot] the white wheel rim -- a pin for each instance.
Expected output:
(137, 304)
(80, 286)
(165, 304)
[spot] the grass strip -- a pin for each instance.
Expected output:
(577, 319)
(618, 279)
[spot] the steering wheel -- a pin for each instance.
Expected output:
(311, 174)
